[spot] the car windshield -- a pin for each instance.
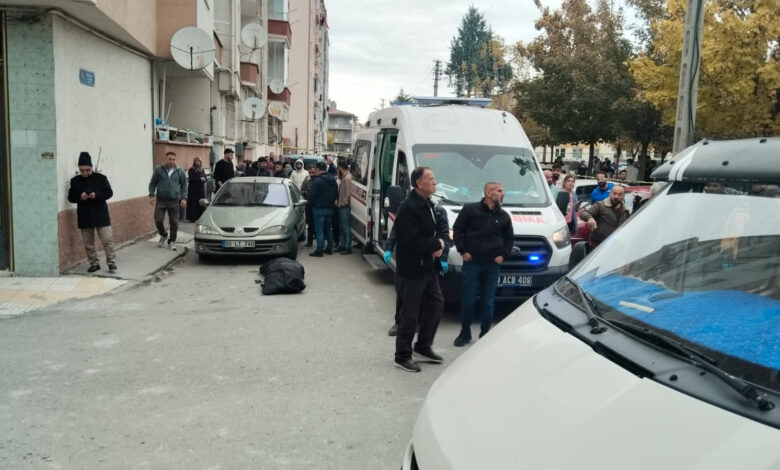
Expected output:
(700, 264)
(462, 170)
(252, 194)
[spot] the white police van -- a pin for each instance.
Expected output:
(466, 145)
(661, 349)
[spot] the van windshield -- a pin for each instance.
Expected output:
(462, 170)
(701, 264)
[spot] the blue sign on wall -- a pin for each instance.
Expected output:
(87, 77)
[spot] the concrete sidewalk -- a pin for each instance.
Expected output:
(138, 262)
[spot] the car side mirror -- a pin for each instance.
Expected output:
(203, 202)
(395, 196)
(578, 252)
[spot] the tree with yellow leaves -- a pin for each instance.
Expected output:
(739, 84)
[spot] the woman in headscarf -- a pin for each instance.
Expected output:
(196, 190)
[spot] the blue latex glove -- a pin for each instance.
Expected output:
(444, 267)
(388, 253)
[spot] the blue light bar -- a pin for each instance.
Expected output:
(534, 259)
(442, 100)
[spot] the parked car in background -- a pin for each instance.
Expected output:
(252, 216)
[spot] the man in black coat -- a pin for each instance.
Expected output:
(323, 194)
(484, 237)
(223, 169)
(416, 250)
(89, 191)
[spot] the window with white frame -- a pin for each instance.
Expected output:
(277, 61)
(277, 10)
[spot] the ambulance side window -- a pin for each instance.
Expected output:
(360, 169)
(402, 172)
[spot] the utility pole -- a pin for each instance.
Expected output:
(436, 76)
(685, 122)
(382, 101)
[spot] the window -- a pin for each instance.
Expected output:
(277, 10)
(402, 173)
(360, 169)
(277, 61)
(252, 194)
(577, 153)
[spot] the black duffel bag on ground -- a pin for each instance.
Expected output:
(282, 276)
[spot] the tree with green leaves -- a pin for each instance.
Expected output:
(477, 62)
(581, 63)
(401, 97)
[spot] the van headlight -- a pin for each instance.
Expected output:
(561, 237)
(274, 230)
(205, 230)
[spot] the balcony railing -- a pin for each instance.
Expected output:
(249, 72)
(284, 96)
(280, 28)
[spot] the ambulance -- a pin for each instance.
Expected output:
(466, 145)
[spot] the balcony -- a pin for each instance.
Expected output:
(284, 96)
(280, 28)
(249, 73)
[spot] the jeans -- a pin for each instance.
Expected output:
(323, 228)
(106, 238)
(345, 234)
(421, 310)
(161, 207)
(478, 277)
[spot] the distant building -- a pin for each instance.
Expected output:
(306, 131)
(342, 126)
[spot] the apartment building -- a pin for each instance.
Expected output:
(341, 128)
(100, 77)
(306, 131)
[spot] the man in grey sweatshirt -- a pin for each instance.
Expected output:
(169, 185)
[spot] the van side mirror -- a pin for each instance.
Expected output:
(578, 252)
(203, 202)
(395, 196)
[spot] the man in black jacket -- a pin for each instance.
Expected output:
(322, 196)
(416, 250)
(89, 191)
(223, 169)
(484, 237)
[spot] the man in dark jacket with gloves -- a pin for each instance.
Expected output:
(89, 191)
(484, 237)
(417, 248)
(323, 194)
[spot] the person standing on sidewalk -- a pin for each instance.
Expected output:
(323, 195)
(223, 169)
(196, 189)
(416, 250)
(345, 196)
(484, 238)
(90, 191)
(170, 186)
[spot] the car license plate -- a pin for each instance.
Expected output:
(238, 244)
(518, 280)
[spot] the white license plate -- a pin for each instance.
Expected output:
(518, 280)
(238, 244)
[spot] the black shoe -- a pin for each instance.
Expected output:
(328, 251)
(112, 267)
(317, 254)
(346, 252)
(427, 355)
(408, 365)
(461, 340)
(393, 331)
(93, 268)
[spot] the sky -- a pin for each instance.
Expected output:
(380, 46)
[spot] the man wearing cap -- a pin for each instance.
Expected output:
(89, 191)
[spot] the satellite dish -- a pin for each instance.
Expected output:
(254, 108)
(192, 48)
(253, 35)
(276, 86)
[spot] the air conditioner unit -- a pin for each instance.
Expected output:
(225, 81)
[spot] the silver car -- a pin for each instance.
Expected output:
(252, 216)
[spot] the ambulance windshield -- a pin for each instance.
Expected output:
(462, 170)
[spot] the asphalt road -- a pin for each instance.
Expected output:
(201, 371)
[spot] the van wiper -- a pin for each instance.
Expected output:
(589, 307)
(447, 201)
(697, 358)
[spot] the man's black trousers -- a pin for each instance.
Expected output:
(421, 311)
